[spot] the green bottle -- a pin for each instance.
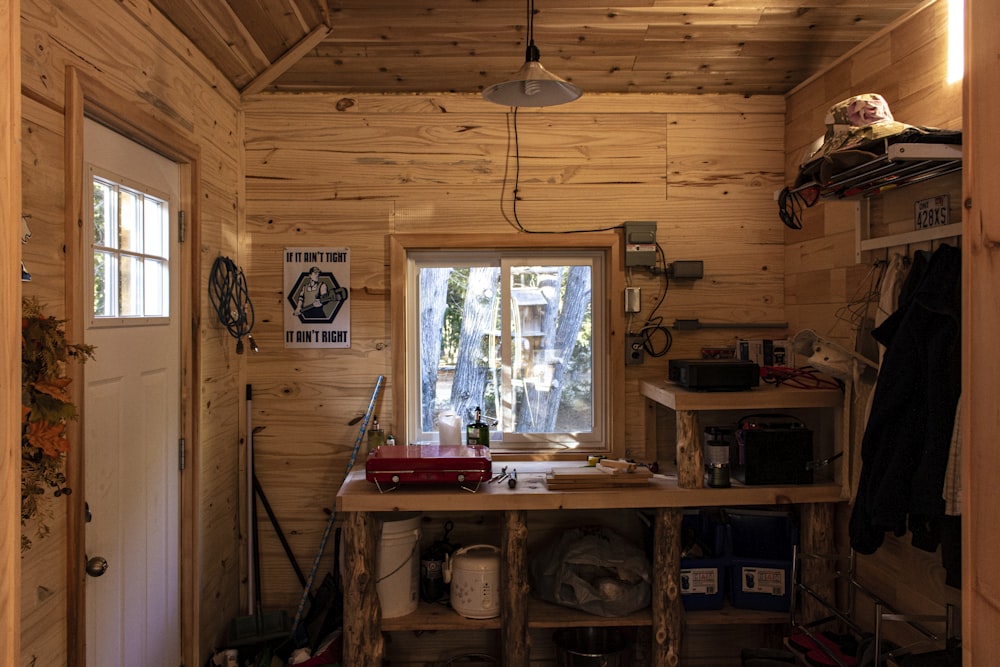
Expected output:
(376, 436)
(477, 433)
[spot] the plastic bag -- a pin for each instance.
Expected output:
(593, 569)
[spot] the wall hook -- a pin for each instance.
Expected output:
(25, 235)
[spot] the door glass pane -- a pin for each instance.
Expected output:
(155, 281)
(129, 221)
(104, 210)
(105, 268)
(130, 287)
(155, 228)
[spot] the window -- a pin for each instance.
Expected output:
(521, 333)
(130, 252)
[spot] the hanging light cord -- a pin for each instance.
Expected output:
(531, 23)
(513, 220)
(227, 288)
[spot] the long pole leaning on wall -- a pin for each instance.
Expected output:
(329, 524)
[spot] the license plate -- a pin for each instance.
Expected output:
(932, 212)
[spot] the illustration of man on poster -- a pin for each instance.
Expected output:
(317, 296)
(317, 282)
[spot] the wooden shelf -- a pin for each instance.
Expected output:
(765, 397)
(542, 614)
(431, 616)
(729, 615)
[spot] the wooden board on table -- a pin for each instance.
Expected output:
(560, 479)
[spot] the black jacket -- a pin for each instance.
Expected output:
(904, 451)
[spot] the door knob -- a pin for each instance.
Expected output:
(97, 566)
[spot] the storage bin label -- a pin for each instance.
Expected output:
(703, 580)
(767, 580)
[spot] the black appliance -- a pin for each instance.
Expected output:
(714, 374)
(773, 449)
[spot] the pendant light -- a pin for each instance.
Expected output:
(533, 85)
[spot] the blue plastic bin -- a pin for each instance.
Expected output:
(761, 544)
(703, 579)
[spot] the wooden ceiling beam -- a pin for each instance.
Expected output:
(287, 60)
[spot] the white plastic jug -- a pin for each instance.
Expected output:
(449, 428)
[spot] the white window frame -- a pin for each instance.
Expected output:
(602, 250)
(145, 319)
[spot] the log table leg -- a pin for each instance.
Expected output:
(690, 461)
(818, 571)
(363, 643)
(514, 593)
(667, 607)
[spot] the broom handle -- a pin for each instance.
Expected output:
(251, 515)
(333, 513)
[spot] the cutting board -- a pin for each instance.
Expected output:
(565, 479)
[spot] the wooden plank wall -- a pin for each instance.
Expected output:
(134, 51)
(346, 171)
(907, 66)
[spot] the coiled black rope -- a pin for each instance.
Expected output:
(227, 289)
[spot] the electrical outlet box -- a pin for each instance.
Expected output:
(635, 354)
(633, 301)
(640, 243)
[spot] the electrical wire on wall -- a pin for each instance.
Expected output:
(513, 220)
(227, 289)
(656, 338)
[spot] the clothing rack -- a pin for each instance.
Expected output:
(884, 613)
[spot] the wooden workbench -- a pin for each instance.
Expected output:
(360, 500)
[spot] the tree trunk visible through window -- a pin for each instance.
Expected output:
(539, 409)
(433, 289)
(472, 367)
(549, 373)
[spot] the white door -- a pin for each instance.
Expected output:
(132, 405)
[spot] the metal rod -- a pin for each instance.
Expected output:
(333, 513)
(694, 325)
(277, 529)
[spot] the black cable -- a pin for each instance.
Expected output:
(227, 289)
(654, 323)
(516, 222)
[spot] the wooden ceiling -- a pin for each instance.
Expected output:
(635, 46)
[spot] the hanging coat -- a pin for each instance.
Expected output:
(904, 450)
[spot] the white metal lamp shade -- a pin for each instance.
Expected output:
(532, 86)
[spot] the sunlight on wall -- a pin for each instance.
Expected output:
(956, 40)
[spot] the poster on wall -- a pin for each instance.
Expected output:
(317, 284)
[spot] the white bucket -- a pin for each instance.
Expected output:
(397, 566)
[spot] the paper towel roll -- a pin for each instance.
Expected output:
(449, 429)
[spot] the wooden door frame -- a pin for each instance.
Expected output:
(86, 96)
(980, 319)
(10, 358)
